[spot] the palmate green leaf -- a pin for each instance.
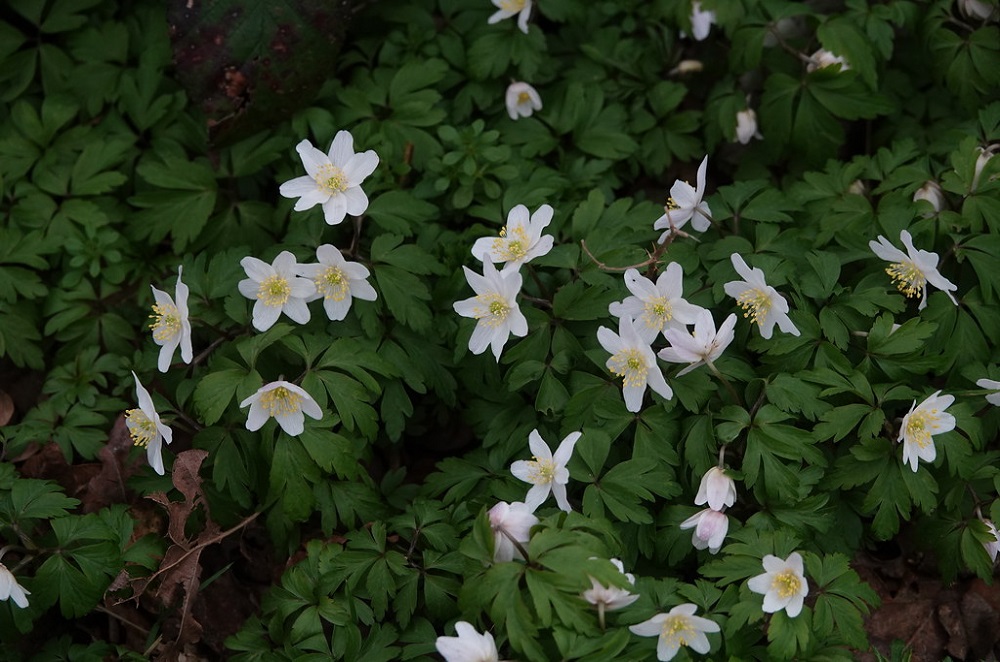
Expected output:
(293, 472)
(216, 390)
(404, 294)
(35, 499)
(182, 202)
(843, 600)
(787, 636)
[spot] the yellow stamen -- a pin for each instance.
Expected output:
(671, 205)
(756, 303)
(656, 312)
(630, 365)
(541, 472)
(274, 291)
(331, 179)
(919, 426)
(678, 628)
(140, 427)
(510, 248)
(280, 401)
(333, 284)
(787, 584)
(493, 309)
(166, 322)
(908, 277)
(512, 6)
(523, 97)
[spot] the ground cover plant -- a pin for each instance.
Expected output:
(590, 331)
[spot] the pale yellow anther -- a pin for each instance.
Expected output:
(920, 426)
(631, 366)
(274, 291)
(513, 246)
(908, 278)
(756, 304)
(523, 97)
(656, 312)
(678, 628)
(492, 309)
(331, 179)
(787, 584)
(512, 6)
(333, 284)
(541, 472)
(166, 322)
(280, 401)
(140, 427)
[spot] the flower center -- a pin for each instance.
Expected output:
(140, 427)
(523, 97)
(908, 277)
(630, 365)
(493, 310)
(786, 583)
(333, 284)
(541, 471)
(671, 205)
(331, 179)
(677, 628)
(274, 291)
(512, 247)
(280, 401)
(756, 303)
(656, 312)
(166, 322)
(919, 427)
(512, 6)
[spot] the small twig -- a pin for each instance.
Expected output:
(534, 276)
(118, 617)
(785, 45)
(517, 544)
(208, 350)
(544, 303)
(200, 546)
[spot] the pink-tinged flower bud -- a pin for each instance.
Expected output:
(984, 157)
(746, 126)
(510, 522)
(824, 58)
(932, 193)
(716, 489)
(992, 548)
(857, 187)
(710, 528)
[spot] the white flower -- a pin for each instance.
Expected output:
(717, 489)
(701, 21)
(685, 204)
(993, 547)
(913, 270)
(824, 58)
(508, 8)
(277, 289)
(746, 126)
(332, 180)
(494, 307)
(783, 584)
(687, 67)
(761, 302)
(932, 193)
(703, 345)
(510, 521)
(679, 627)
(283, 401)
(979, 9)
(337, 281)
(146, 429)
(992, 398)
(920, 424)
(170, 324)
(710, 528)
(520, 240)
(468, 646)
(9, 588)
(984, 157)
(611, 597)
(634, 361)
(656, 308)
(522, 100)
(547, 472)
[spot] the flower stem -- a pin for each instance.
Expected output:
(726, 383)
(600, 614)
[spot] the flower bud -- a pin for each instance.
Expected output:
(824, 58)
(746, 126)
(716, 489)
(687, 67)
(975, 9)
(710, 528)
(984, 157)
(522, 100)
(992, 548)
(932, 193)
(857, 187)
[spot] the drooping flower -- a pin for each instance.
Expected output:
(978, 9)
(338, 282)
(992, 547)
(702, 345)
(170, 324)
(746, 126)
(656, 307)
(468, 646)
(701, 21)
(679, 627)
(761, 302)
(332, 180)
(494, 308)
(710, 528)
(611, 598)
(522, 100)
(633, 360)
(824, 58)
(510, 522)
(992, 398)
(913, 270)
(508, 8)
(277, 289)
(520, 240)
(985, 154)
(717, 489)
(783, 584)
(685, 204)
(146, 429)
(9, 588)
(547, 472)
(930, 192)
(283, 401)
(920, 424)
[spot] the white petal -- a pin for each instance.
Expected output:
(342, 149)
(335, 209)
(312, 158)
